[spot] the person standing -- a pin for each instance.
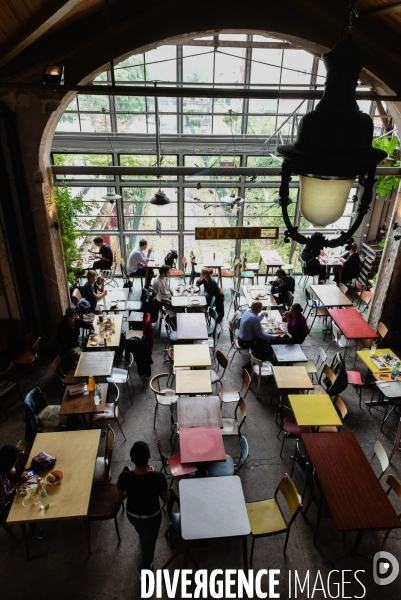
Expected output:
(105, 252)
(143, 487)
(138, 259)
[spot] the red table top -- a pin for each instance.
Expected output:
(354, 494)
(201, 444)
(352, 324)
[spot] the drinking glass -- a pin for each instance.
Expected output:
(373, 349)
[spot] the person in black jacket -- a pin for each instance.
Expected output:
(212, 289)
(282, 285)
(313, 266)
(351, 266)
(68, 333)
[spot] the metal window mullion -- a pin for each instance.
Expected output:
(247, 81)
(180, 100)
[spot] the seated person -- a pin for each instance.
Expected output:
(11, 477)
(161, 286)
(351, 266)
(138, 260)
(211, 288)
(297, 326)
(68, 333)
(105, 252)
(93, 290)
(282, 285)
(251, 334)
(312, 264)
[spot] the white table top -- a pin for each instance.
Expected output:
(213, 507)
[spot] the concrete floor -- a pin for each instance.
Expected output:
(59, 566)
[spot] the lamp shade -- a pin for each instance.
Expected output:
(160, 199)
(53, 74)
(111, 197)
(323, 200)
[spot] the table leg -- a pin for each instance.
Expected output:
(25, 540)
(87, 534)
(146, 278)
(245, 552)
(340, 272)
(220, 279)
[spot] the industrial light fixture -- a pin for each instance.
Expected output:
(333, 147)
(53, 74)
(160, 198)
(111, 197)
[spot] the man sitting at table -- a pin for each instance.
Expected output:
(351, 266)
(143, 486)
(251, 334)
(93, 290)
(68, 333)
(138, 260)
(282, 285)
(106, 260)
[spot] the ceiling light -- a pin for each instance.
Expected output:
(111, 197)
(160, 199)
(53, 74)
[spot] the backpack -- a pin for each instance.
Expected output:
(83, 306)
(170, 258)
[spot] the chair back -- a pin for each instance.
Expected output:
(116, 398)
(291, 495)
(76, 296)
(246, 381)
(212, 302)
(217, 334)
(322, 355)
(359, 286)
(243, 444)
(36, 347)
(222, 360)
(213, 313)
(255, 361)
(294, 257)
(394, 485)
(242, 408)
(156, 379)
(9, 374)
(163, 458)
(56, 363)
(329, 374)
(380, 452)
(341, 407)
(343, 288)
(302, 463)
(231, 332)
(289, 299)
(184, 263)
(337, 333)
(108, 452)
(303, 266)
(382, 329)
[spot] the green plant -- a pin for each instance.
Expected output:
(70, 212)
(382, 242)
(388, 183)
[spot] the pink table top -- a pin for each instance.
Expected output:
(352, 324)
(201, 444)
(271, 258)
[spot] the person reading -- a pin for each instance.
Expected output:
(105, 262)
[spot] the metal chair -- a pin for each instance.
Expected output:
(319, 499)
(229, 467)
(160, 395)
(66, 379)
(235, 345)
(343, 288)
(172, 466)
(380, 452)
(366, 343)
(103, 506)
(266, 517)
(222, 362)
(111, 411)
(289, 268)
(233, 426)
(393, 485)
(252, 266)
(301, 464)
(103, 463)
(237, 301)
(121, 376)
(312, 368)
(248, 275)
(232, 394)
(261, 369)
(342, 411)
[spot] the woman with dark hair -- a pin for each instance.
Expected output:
(312, 264)
(11, 477)
(212, 289)
(297, 326)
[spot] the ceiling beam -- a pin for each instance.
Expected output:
(378, 11)
(235, 44)
(38, 25)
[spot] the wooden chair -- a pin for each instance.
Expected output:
(237, 301)
(251, 266)
(312, 368)
(103, 463)
(290, 427)
(233, 426)
(228, 270)
(121, 375)
(343, 288)
(222, 362)
(232, 394)
(235, 345)
(103, 506)
(266, 517)
(173, 369)
(342, 411)
(380, 452)
(28, 357)
(173, 533)
(172, 466)
(229, 467)
(111, 411)
(261, 369)
(248, 275)
(330, 375)
(393, 485)
(364, 295)
(212, 342)
(8, 381)
(301, 464)
(317, 311)
(68, 379)
(76, 296)
(179, 272)
(160, 394)
(366, 343)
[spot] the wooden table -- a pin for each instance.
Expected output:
(199, 412)
(190, 301)
(271, 258)
(314, 410)
(335, 262)
(364, 355)
(76, 453)
(192, 355)
(251, 291)
(98, 364)
(118, 296)
(289, 353)
(158, 261)
(214, 260)
(113, 340)
(193, 382)
(201, 445)
(191, 326)
(330, 295)
(355, 497)
(213, 508)
(292, 378)
(352, 324)
(83, 404)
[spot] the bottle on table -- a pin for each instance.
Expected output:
(373, 348)
(43, 499)
(394, 372)
(91, 383)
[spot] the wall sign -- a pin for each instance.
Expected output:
(236, 233)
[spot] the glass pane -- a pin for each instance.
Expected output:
(163, 243)
(197, 68)
(223, 105)
(99, 123)
(168, 123)
(236, 37)
(198, 247)
(73, 105)
(131, 69)
(130, 104)
(286, 107)
(131, 123)
(261, 125)
(161, 64)
(204, 208)
(263, 106)
(212, 161)
(146, 160)
(252, 247)
(227, 125)
(68, 122)
(266, 64)
(297, 67)
(96, 103)
(71, 160)
(230, 65)
(85, 243)
(140, 214)
(166, 105)
(99, 215)
(197, 124)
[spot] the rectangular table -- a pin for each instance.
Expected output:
(251, 291)
(213, 508)
(199, 412)
(331, 262)
(98, 364)
(289, 353)
(113, 340)
(314, 410)
(118, 296)
(76, 453)
(330, 295)
(192, 355)
(191, 326)
(201, 444)
(193, 382)
(156, 262)
(214, 260)
(271, 258)
(83, 404)
(292, 378)
(355, 497)
(352, 324)
(192, 300)
(364, 355)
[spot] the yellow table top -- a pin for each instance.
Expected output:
(76, 453)
(364, 355)
(193, 382)
(113, 341)
(192, 355)
(313, 410)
